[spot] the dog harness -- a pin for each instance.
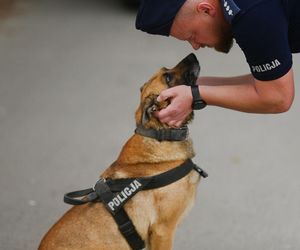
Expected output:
(114, 193)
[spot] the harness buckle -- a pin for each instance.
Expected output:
(201, 171)
(101, 179)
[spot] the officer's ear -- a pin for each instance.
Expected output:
(206, 7)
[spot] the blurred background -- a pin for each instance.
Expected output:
(70, 73)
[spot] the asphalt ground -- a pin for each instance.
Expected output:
(70, 73)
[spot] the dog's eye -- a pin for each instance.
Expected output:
(168, 77)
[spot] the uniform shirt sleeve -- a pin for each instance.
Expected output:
(262, 34)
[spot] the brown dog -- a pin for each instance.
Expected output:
(155, 213)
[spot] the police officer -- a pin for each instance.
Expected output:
(267, 31)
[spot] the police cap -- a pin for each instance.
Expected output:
(157, 16)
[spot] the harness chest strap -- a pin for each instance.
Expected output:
(120, 216)
(126, 189)
(150, 182)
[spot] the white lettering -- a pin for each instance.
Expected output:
(133, 188)
(277, 63)
(120, 198)
(127, 191)
(266, 67)
(111, 205)
(124, 194)
(137, 184)
(116, 201)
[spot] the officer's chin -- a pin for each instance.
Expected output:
(225, 45)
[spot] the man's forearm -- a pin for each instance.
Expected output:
(244, 93)
(237, 97)
(216, 81)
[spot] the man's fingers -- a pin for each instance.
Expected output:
(174, 124)
(167, 112)
(178, 124)
(169, 116)
(165, 94)
(175, 113)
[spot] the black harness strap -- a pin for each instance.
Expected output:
(125, 225)
(114, 193)
(170, 134)
(160, 180)
(150, 182)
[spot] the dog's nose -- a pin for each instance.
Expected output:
(190, 69)
(190, 59)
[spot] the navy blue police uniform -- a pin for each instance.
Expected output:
(267, 31)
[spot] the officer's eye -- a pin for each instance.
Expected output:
(168, 77)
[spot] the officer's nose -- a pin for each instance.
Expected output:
(195, 45)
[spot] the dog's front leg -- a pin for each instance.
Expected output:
(161, 237)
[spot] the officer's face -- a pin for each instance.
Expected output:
(203, 31)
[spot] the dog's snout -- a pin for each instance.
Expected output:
(190, 69)
(190, 59)
(190, 77)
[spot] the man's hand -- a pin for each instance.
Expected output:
(180, 107)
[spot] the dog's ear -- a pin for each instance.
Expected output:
(148, 107)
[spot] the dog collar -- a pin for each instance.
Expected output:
(169, 134)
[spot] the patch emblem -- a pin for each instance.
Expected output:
(129, 191)
(230, 9)
(265, 67)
